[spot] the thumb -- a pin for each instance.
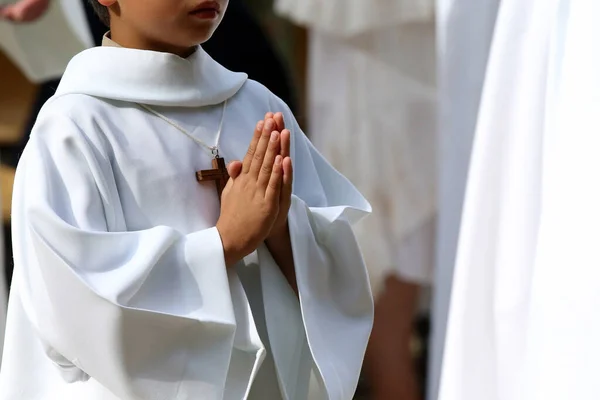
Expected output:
(234, 168)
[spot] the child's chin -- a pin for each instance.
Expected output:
(200, 36)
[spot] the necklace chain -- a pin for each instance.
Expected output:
(213, 149)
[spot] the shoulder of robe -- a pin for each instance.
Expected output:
(71, 116)
(77, 107)
(256, 93)
(254, 88)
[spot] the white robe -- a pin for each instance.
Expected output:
(120, 284)
(523, 322)
(42, 49)
(372, 112)
(464, 33)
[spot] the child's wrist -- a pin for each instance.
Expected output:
(231, 252)
(279, 232)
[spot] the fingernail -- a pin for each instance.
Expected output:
(269, 124)
(277, 160)
(260, 125)
(274, 136)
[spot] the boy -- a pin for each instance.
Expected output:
(140, 273)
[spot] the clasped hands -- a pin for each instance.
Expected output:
(257, 198)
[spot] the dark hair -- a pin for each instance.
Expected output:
(101, 12)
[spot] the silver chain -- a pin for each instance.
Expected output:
(213, 149)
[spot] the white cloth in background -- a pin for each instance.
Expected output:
(523, 321)
(120, 285)
(3, 294)
(352, 17)
(42, 49)
(465, 29)
(372, 113)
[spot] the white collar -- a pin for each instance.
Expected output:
(149, 77)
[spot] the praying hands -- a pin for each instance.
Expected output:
(285, 198)
(257, 197)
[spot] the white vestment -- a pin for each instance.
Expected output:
(465, 28)
(120, 285)
(523, 320)
(372, 112)
(42, 49)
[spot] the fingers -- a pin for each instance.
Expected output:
(255, 156)
(279, 122)
(274, 187)
(270, 157)
(285, 143)
(227, 188)
(252, 148)
(288, 178)
(285, 133)
(261, 148)
(234, 169)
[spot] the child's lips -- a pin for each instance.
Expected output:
(205, 14)
(207, 9)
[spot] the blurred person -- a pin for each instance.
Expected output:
(526, 290)
(372, 112)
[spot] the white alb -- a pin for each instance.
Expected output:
(120, 288)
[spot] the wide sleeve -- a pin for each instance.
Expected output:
(335, 295)
(147, 314)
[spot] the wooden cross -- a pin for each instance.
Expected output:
(218, 174)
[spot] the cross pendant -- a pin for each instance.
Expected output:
(218, 174)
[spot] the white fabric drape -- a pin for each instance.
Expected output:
(42, 49)
(372, 107)
(464, 33)
(351, 17)
(523, 322)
